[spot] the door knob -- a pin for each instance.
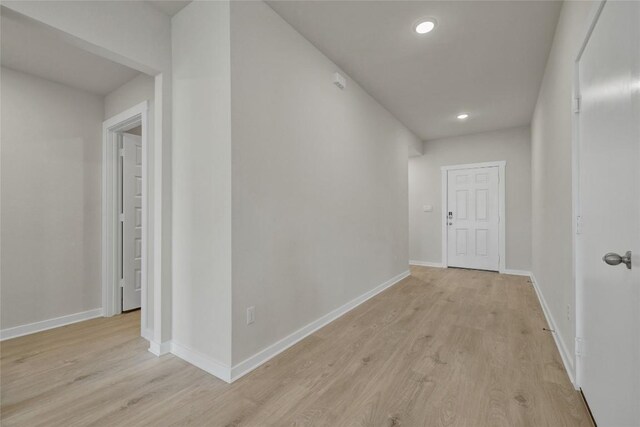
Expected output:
(613, 258)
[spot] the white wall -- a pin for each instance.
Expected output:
(133, 33)
(319, 183)
(202, 180)
(415, 147)
(425, 188)
(136, 34)
(135, 91)
(50, 197)
(552, 172)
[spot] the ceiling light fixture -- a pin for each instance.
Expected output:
(462, 116)
(425, 26)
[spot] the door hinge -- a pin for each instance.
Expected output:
(121, 217)
(576, 104)
(122, 283)
(121, 152)
(579, 346)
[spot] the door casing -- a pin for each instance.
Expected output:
(592, 20)
(501, 165)
(575, 194)
(124, 121)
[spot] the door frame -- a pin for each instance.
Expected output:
(134, 116)
(501, 165)
(575, 194)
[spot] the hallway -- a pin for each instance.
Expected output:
(444, 347)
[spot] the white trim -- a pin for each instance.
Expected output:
(517, 272)
(567, 358)
(231, 374)
(110, 221)
(159, 349)
(500, 163)
(502, 191)
(161, 297)
(444, 238)
(206, 363)
(592, 20)
(575, 188)
(503, 215)
(248, 365)
(43, 325)
(427, 264)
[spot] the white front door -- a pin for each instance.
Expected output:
(609, 206)
(132, 222)
(473, 218)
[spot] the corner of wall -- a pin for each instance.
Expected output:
(202, 217)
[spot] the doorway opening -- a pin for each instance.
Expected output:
(125, 213)
(473, 216)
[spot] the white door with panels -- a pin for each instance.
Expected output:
(472, 218)
(131, 222)
(608, 205)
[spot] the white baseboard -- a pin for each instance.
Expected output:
(159, 349)
(426, 264)
(248, 365)
(43, 325)
(517, 272)
(567, 359)
(206, 363)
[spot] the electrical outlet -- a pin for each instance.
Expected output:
(568, 312)
(251, 315)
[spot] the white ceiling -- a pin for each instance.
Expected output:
(169, 7)
(40, 51)
(485, 58)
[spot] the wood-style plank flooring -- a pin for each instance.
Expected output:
(444, 347)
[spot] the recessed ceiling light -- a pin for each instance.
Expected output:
(462, 116)
(425, 26)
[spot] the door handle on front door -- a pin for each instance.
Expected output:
(613, 258)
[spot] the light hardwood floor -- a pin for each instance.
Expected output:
(444, 347)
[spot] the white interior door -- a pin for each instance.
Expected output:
(473, 218)
(609, 205)
(132, 222)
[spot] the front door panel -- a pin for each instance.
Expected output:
(473, 218)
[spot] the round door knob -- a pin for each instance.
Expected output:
(613, 258)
